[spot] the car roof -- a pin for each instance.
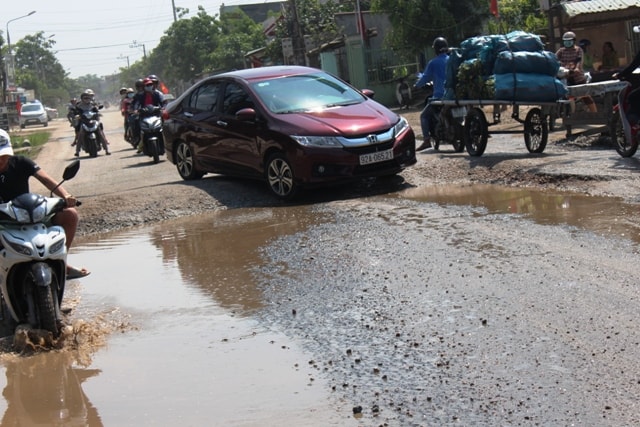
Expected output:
(263, 73)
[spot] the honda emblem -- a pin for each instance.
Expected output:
(372, 139)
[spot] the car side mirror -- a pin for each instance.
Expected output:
(368, 93)
(246, 114)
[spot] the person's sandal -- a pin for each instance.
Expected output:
(74, 273)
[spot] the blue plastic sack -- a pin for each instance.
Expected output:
(527, 87)
(543, 62)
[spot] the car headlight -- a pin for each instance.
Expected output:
(318, 141)
(400, 127)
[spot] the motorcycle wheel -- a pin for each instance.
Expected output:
(536, 131)
(476, 132)
(153, 148)
(92, 146)
(46, 310)
(623, 147)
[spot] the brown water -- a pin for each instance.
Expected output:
(164, 332)
(601, 215)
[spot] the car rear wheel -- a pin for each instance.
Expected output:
(279, 175)
(185, 162)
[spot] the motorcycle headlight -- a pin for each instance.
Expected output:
(57, 246)
(21, 249)
(318, 141)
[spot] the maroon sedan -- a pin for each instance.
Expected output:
(293, 127)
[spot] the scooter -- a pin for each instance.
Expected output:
(448, 126)
(90, 124)
(151, 132)
(625, 130)
(33, 259)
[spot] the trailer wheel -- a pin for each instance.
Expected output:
(536, 131)
(476, 132)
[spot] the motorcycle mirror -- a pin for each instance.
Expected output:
(71, 170)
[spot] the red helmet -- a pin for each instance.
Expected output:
(147, 81)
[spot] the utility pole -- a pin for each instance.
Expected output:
(135, 45)
(173, 7)
(297, 39)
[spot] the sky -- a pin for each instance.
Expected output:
(99, 37)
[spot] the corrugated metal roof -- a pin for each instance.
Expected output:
(575, 8)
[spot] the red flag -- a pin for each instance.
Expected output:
(164, 89)
(493, 7)
(18, 105)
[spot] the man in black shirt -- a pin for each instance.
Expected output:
(15, 172)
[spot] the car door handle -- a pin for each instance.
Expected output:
(222, 123)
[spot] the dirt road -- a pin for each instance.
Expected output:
(126, 189)
(441, 316)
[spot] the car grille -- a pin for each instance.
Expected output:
(364, 149)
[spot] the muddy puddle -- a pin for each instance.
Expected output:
(169, 338)
(601, 215)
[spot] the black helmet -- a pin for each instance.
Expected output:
(153, 78)
(440, 45)
(139, 84)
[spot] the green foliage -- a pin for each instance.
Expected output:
(239, 35)
(316, 20)
(522, 15)
(31, 143)
(416, 23)
(471, 83)
(185, 48)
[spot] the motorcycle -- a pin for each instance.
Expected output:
(625, 130)
(448, 126)
(33, 259)
(151, 132)
(90, 125)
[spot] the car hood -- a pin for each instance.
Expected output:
(364, 118)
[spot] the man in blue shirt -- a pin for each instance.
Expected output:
(435, 72)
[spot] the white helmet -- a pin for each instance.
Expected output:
(569, 35)
(87, 92)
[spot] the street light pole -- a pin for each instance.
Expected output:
(13, 69)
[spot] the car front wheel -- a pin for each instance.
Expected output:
(279, 175)
(185, 162)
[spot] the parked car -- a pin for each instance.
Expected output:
(52, 113)
(33, 113)
(293, 127)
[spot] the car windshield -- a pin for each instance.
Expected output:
(309, 92)
(31, 107)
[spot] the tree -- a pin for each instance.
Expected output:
(239, 35)
(522, 15)
(37, 68)
(314, 19)
(416, 23)
(186, 47)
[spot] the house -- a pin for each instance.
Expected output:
(599, 21)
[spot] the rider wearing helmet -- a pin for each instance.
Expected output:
(434, 73)
(87, 103)
(570, 56)
(150, 96)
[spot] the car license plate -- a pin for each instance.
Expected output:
(380, 156)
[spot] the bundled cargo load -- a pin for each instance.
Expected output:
(511, 67)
